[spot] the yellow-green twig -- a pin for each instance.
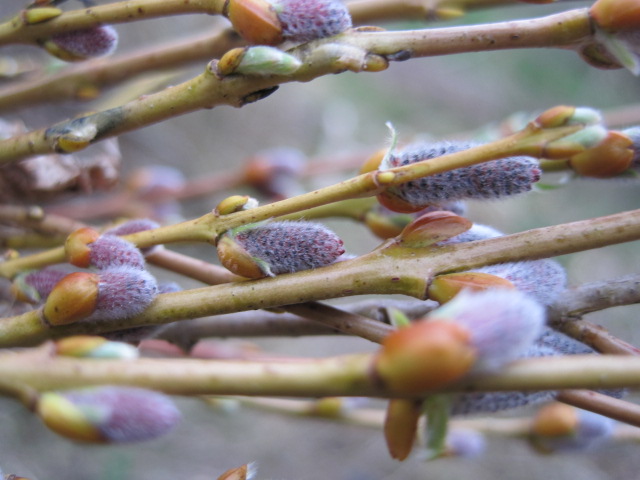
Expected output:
(348, 375)
(355, 51)
(391, 269)
(18, 30)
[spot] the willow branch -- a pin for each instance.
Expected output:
(334, 318)
(532, 140)
(97, 74)
(519, 427)
(345, 322)
(263, 323)
(596, 336)
(348, 375)
(371, 11)
(93, 75)
(387, 270)
(355, 51)
(18, 30)
(565, 315)
(591, 297)
(603, 404)
(34, 218)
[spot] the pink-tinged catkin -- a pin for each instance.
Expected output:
(112, 251)
(126, 414)
(486, 181)
(133, 226)
(305, 20)
(287, 247)
(123, 292)
(36, 286)
(88, 43)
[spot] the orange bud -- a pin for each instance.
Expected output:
(73, 298)
(616, 14)
(386, 226)
(611, 157)
(245, 472)
(444, 287)
(237, 260)
(397, 204)
(424, 356)
(433, 227)
(400, 426)
(555, 116)
(555, 420)
(76, 246)
(255, 20)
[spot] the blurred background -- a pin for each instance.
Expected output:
(326, 118)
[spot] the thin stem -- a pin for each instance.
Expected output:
(355, 51)
(192, 267)
(17, 30)
(388, 270)
(596, 337)
(36, 219)
(532, 141)
(374, 418)
(348, 375)
(74, 81)
(603, 404)
(264, 323)
(368, 11)
(566, 314)
(345, 322)
(595, 296)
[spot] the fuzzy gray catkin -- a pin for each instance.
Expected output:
(117, 414)
(110, 251)
(303, 20)
(96, 41)
(287, 247)
(489, 402)
(543, 279)
(123, 292)
(550, 343)
(490, 180)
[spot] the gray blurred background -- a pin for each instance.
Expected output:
(332, 115)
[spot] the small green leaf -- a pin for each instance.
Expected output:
(397, 318)
(436, 409)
